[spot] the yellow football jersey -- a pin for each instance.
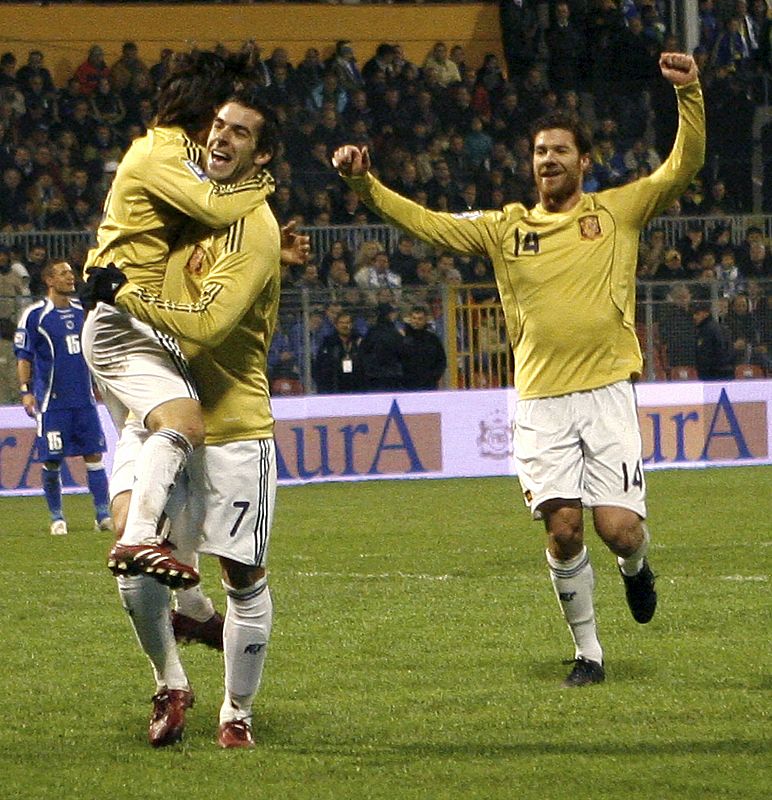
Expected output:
(566, 280)
(158, 185)
(220, 299)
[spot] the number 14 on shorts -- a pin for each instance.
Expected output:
(637, 475)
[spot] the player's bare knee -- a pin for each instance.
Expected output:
(564, 525)
(240, 576)
(620, 529)
(183, 415)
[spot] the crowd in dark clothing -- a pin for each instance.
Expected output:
(448, 133)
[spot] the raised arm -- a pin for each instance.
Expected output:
(468, 233)
(652, 195)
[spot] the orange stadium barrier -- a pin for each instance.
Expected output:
(65, 32)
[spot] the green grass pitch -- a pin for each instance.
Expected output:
(416, 653)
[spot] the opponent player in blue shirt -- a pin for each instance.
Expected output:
(56, 390)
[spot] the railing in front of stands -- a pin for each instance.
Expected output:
(61, 243)
(469, 319)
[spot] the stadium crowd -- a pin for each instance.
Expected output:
(451, 135)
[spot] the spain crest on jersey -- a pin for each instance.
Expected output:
(589, 227)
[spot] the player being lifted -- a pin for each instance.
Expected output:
(565, 270)
(158, 186)
(223, 313)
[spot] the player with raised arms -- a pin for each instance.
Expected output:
(565, 270)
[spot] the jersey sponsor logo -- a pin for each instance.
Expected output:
(467, 215)
(526, 243)
(196, 170)
(589, 227)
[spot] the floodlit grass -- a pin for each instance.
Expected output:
(416, 654)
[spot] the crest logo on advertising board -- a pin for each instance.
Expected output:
(495, 439)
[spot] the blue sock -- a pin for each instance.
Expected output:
(97, 485)
(52, 488)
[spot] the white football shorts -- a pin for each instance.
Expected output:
(136, 367)
(581, 446)
(231, 498)
(224, 498)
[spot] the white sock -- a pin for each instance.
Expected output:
(147, 602)
(193, 602)
(159, 462)
(633, 563)
(573, 581)
(247, 630)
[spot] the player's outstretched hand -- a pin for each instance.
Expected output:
(102, 286)
(678, 68)
(351, 161)
(295, 247)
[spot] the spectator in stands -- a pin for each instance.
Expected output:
(382, 352)
(403, 260)
(478, 144)
(458, 56)
(344, 65)
(758, 263)
(34, 68)
(718, 201)
(445, 70)
(139, 100)
(641, 155)
(13, 290)
(727, 273)
(127, 67)
(519, 32)
(37, 258)
(742, 329)
(106, 104)
(694, 244)
(12, 198)
(423, 356)
(441, 184)
(309, 71)
(309, 280)
(714, 357)
(282, 357)
(491, 77)
(91, 70)
(338, 251)
(651, 253)
(608, 167)
(379, 275)
(8, 71)
(731, 48)
(315, 173)
(676, 328)
(328, 91)
(391, 116)
(160, 69)
(567, 50)
(338, 368)
(672, 268)
(338, 276)
(381, 64)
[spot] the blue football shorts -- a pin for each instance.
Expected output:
(69, 432)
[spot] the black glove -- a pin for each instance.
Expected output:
(102, 286)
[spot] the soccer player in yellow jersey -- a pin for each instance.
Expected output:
(565, 270)
(220, 300)
(159, 185)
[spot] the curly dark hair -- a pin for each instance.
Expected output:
(197, 83)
